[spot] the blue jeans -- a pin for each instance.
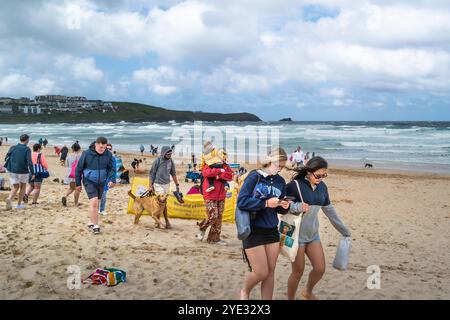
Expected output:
(103, 201)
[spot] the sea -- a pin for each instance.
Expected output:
(409, 146)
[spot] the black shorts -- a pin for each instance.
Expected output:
(94, 190)
(261, 236)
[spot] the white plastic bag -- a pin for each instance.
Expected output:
(289, 227)
(342, 253)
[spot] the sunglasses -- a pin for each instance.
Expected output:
(320, 176)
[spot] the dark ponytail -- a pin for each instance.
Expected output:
(312, 165)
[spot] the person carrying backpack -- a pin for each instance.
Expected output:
(159, 181)
(72, 162)
(95, 169)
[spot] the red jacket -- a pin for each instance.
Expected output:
(219, 192)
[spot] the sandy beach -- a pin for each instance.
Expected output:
(399, 221)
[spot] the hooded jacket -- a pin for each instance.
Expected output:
(162, 168)
(95, 168)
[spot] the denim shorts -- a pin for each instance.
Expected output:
(36, 180)
(315, 239)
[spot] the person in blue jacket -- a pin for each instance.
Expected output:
(262, 195)
(96, 169)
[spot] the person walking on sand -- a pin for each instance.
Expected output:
(64, 152)
(298, 157)
(35, 182)
(314, 192)
(101, 210)
(19, 165)
(142, 149)
(95, 168)
(262, 193)
(72, 162)
(214, 200)
(159, 177)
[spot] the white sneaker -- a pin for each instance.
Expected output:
(103, 213)
(200, 236)
(20, 206)
(221, 243)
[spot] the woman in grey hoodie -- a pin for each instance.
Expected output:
(312, 197)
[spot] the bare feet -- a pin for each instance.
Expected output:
(243, 295)
(308, 295)
(168, 226)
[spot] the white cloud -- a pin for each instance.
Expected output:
(79, 68)
(159, 80)
(300, 104)
(333, 92)
(15, 83)
(230, 47)
(164, 90)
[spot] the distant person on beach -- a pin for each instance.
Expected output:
(306, 158)
(64, 152)
(95, 169)
(19, 165)
(142, 149)
(35, 182)
(72, 162)
(124, 175)
(314, 193)
(262, 193)
(159, 177)
(57, 150)
(101, 210)
(298, 157)
(135, 164)
(45, 142)
(194, 161)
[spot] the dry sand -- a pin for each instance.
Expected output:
(400, 222)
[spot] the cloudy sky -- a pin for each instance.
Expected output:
(309, 60)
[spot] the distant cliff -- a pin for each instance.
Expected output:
(126, 111)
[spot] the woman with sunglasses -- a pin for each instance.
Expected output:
(314, 193)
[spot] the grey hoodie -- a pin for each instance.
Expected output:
(317, 199)
(162, 168)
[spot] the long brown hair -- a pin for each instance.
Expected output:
(312, 165)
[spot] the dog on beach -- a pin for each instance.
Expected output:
(153, 204)
(368, 165)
